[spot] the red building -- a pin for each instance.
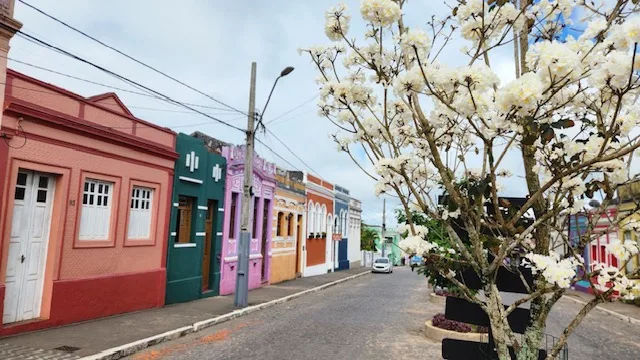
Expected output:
(85, 191)
(318, 245)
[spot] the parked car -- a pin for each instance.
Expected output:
(382, 265)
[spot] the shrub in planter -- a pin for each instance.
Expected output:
(441, 322)
(442, 292)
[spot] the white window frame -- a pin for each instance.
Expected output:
(318, 222)
(140, 213)
(310, 217)
(95, 220)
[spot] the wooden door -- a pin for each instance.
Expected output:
(185, 209)
(209, 230)
(265, 229)
(26, 261)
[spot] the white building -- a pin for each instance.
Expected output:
(355, 222)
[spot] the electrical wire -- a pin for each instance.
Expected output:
(104, 85)
(118, 127)
(276, 154)
(24, 135)
(291, 151)
(163, 97)
(130, 57)
(291, 110)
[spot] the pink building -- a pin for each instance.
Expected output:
(260, 225)
(84, 215)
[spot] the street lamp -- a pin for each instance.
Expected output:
(286, 71)
(241, 298)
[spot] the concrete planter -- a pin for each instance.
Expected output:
(437, 299)
(437, 334)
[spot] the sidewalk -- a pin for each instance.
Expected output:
(626, 312)
(93, 337)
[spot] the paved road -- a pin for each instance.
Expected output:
(377, 316)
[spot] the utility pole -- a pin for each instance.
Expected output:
(241, 298)
(384, 227)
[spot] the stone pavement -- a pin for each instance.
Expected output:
(92, 337)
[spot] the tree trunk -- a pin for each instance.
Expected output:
(499, 327)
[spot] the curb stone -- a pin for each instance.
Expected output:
(133, 347)
(622, 317)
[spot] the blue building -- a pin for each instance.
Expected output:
(340, 228)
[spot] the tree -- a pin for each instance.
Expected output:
(368, 238)
(438, 136)
(433, 263)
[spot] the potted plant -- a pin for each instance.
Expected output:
(324, 234)
(439, 296)
(439, 328)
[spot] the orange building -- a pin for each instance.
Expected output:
(320, 197)
(288, 227)
(84, 215)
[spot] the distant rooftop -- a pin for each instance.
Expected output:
(212, 143)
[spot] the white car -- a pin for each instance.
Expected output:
(382, 265)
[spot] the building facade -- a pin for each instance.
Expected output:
(288, 227)
(318, 243)
(340, 253)
(353, 235)
(628, 196)
(387, 245)
(85, 210)
(260, 223)
(195, 230)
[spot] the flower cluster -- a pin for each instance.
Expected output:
(336, 22)
(521, 95)
(380, 12)
(623, 251)
(554, 270)
(609, 277)
(554, 61)
(476, 17)
(416, 245)
(415, 41)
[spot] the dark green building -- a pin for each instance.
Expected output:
(195, 241)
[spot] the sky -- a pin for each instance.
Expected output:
(210, 46)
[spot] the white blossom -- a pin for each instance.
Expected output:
(622, 251)
(554, 270)
(415, 40)
(380, 12)
(521, 94)
(336, 22)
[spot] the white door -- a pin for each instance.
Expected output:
(28, 246)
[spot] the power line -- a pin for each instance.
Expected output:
(291, 151)
(102, 84)
(130, 57)
(291, 110)
(119, 127)
(163, 97)
(276, 154)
